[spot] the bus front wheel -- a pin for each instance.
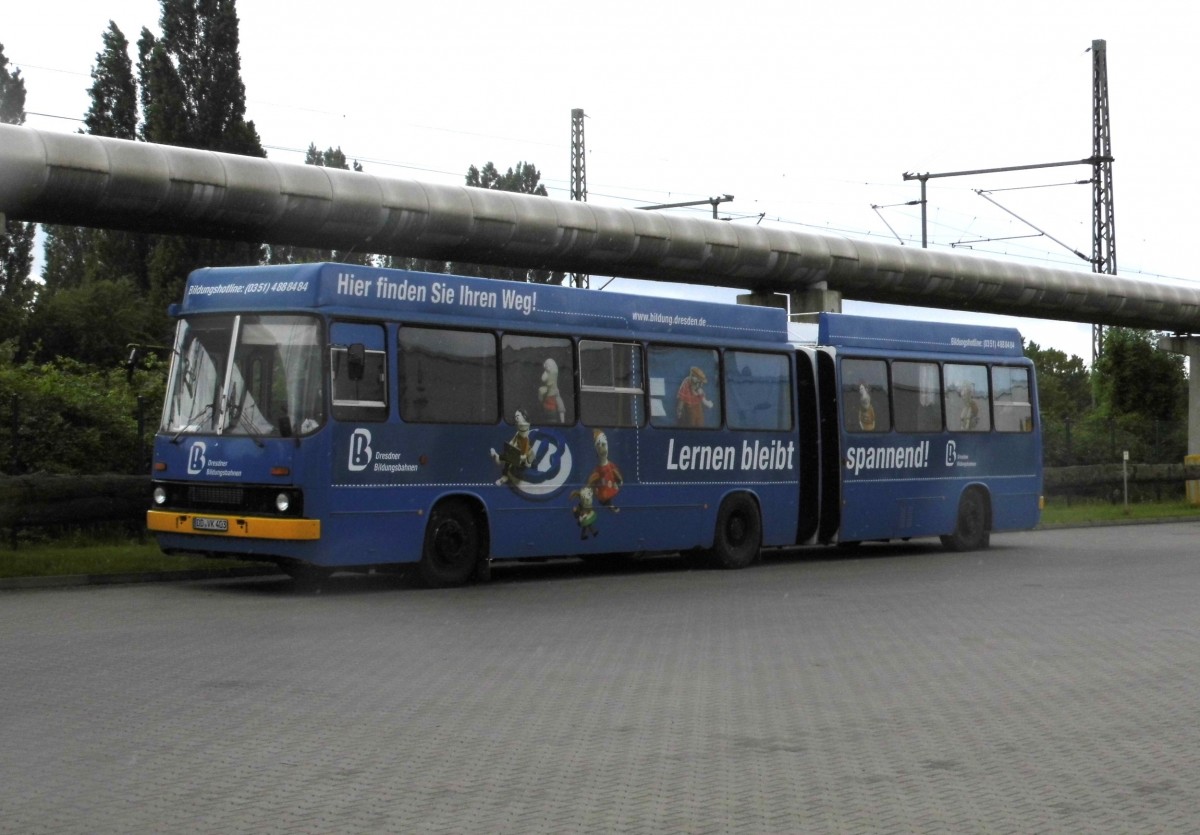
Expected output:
(738, 536)
(971, 531)
(453, 545)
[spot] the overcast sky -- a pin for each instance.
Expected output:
(807, 113)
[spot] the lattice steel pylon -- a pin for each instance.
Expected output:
(1104, 234)
(578, 174)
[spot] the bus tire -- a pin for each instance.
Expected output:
(453, 545)
(971, 529)
(738, 536)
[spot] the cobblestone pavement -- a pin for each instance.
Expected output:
(1051, 684)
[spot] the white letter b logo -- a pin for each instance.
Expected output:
(360, 450)
(196, 458)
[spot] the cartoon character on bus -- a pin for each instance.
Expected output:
(690, 400)
(866, 411)
(606, 478)
(969, 417)
(517, 455)
(584, 511)
(553, 408)
(534, 463)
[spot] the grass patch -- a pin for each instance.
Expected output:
(78, 556)
(1098, 512)
(81, 553)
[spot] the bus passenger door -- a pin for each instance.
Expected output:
(810, 447)
(830, 446)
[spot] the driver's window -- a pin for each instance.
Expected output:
(358, 371)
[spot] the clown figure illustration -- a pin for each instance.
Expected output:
(690, 400)
(606, 478)
(549, 396)
(866, 411)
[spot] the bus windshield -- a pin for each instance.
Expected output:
(272, 388)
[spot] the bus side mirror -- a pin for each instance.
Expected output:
(135, 356)
(356, 361)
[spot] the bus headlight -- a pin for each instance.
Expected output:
(283, 502)
(160, 495)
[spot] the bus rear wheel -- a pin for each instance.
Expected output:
(453, 545)
(738, 536)
(971, 531)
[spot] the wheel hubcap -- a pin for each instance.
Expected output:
(449, 541)
(737, 530)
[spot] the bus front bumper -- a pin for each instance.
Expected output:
(233, 527)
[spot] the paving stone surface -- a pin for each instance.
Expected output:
(1051, 684)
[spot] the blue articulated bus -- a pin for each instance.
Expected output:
(336, 417)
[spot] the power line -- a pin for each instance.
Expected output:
(610, 191)
(52, 116)
(21, 65)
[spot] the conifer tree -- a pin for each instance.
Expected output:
(192, 95)
(76, 256)
(16, 244)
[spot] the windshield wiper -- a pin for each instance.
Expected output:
(235, 411)
(191, 422)
(248, 427)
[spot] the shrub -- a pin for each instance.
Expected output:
(66, 417)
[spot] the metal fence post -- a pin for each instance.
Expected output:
(14, 455)
(141, 433)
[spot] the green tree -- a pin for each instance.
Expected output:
(192, 91)
(117, 255)
(76, 255)
(1133, 377)
(524, 179)
(1065, 401)
(16, 244)
(12, 93)
(92, 323)
(66, 254)
(1141, 402)
(1064, 384)
(114, 108)
(192, 95)
(421, 265)
(329, 158)
(72, 418)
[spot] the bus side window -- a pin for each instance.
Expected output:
(358, 371)
(539, 379)
(610, 383)
(448, 376)
(1010, 393)
(866, 405)
(757, 391)
(916, 395)
(966, 397)
(684, 387)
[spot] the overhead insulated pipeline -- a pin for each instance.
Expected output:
(82, 180)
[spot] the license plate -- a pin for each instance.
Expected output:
(199, 523)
